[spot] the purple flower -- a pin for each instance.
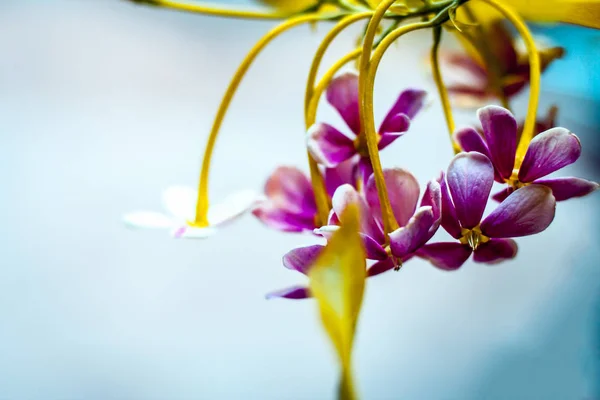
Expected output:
(290, 203)
(465, 193)
(417, 226)
(471, 82)
(329, 146)
(548, 151)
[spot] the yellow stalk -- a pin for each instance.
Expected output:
(437, 77)
(324, 82)
(320, 191)
(214, 10)
(535, 76)
(367, 118)
(202, 204)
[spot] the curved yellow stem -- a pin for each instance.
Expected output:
(367, 118)
(320, 191)
(215, 10)
(534, 76)
(327, 77)
(327, 40)
(437, 77)
(201, 219)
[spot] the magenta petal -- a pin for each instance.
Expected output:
(289, 189)
(342, 94)
(503, 194)
(526, 211)
(548, 152)
(470, 179)
(293, 293)
(388, 138)
(403, 192)
(500, 130)
(409, 103)
(344, 172)
(302, 258)
(364, 171)
(283, 220)
(569, 187)
(328, 146)
(415, 234)
(346, 195)
(470, 140)
(381, 266)
(433, 198)
(395, 128)
(449, 218)
(495, 251)
(373, 249)
(446, 255)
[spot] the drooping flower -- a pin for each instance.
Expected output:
(300, 259)
(548, 152)
(329, 147)
(465, 193)
(417, 226)
(472, 83)
(180, 201)
(290, 204)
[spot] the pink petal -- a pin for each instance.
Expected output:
(449, 218)
(414, 235)
(381, 266)
(395, 128)
(548, 152)
(282, 220)
(470, 140)
(293, 293)
(342, 94)
(495, 251)
(328, 146)
(446, 255)
(346, 195)
(470, 179)
(526, 211)
(289, 189)
(433, 198)
(409, 103)
(373, 249)
(345, 172)
(302, 258)
(500, 130)
(569, 187)
(403, 192)
(503, 194)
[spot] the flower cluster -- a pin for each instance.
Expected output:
(372, 219)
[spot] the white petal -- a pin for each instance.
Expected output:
(147, 219)
(326, 231)
(233, 206)
(189, 232)
(180, 201)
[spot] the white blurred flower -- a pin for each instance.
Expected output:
(180, 205)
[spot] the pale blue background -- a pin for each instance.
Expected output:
(104, 104)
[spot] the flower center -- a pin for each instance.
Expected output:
(473, 237)
(360, 144)
(513, 182)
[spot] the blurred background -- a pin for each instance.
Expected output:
(104, 104)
